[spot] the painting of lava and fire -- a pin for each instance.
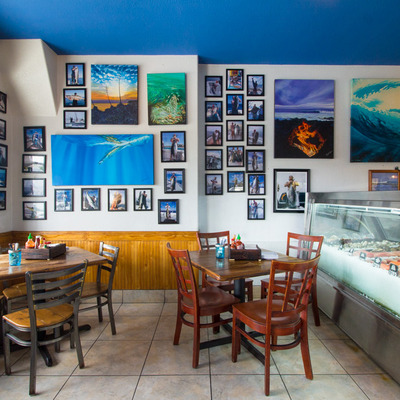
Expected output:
(166, 94)
(114, 94)
(304, 118)
(375, 120)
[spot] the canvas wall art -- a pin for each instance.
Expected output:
(114, 94)
(166, 96)
(304, 118)
(375, 120)
(102, 160)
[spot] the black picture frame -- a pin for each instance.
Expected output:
(213, 159)
(34, 187)
(255, 135)
(34, 210)
(255, 209)
(255, 160)
(117, 200)
(143, 199)
(63, 200)
(3, 177)
(34, 163)
(90, 199)
(234, 79)
(34, 138)
(255, 85)
(213, 86)
(256, 184)
(213, 111)
(168, 211)
(214, 135)
(234, 130)
(234, 104)
(255, 110)
(214, 184)
(3, 200)
(235, 181)
(71, 77)
(235, 156)
(3, 155)
(174, 180)
(173, 146)
(3, 129)
(75, 119)
(74, 98)
(3, 103)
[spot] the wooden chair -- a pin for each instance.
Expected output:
(101, 290)
(282, 313)
(15, 297)
(207, 301)
(304, 247)
(207, 241)
(50, 307)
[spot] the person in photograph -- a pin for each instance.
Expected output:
(75, 75)
(215, 87)
(2, 102)
(3, 160)
(167, 211)
(235, 104)
(216, 137)
(291, 185)
(116, 201)
(214, 183)
(255, 84)
(172, 182)
(255, 188)
(254, 209)
(255, 136)
(254, 163)
(254, 112)
(215, 114)
(174, 147)
(143, 202)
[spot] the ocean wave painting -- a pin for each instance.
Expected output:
(375, 120)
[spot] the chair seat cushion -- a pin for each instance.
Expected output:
(92, 289)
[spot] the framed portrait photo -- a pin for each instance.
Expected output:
(173, 146)
(235, 156)
(213, 135)
(213, 111)
(3, 177)
(34, 210)
(234, 79)
(255, 85)
(234, 104)
(34, 163)
(34, 187)
(143, 199)
(75, 74)
(3, 102)
(213, 86)
(3, 200)
(168, 211)
(34, 138)
(255, 110)
(3, 155)
(213, 159)
(117, 200)
(90, 199)
(74, 119)
(234, 130)
(255, 135)
(290, 188)
(74, 97)
(383, 180)
(214, 184)
(174, 181)
(255, 160)
(256, 184)
(255, 209)
(235, 181)
(63, 200)
(3, 129)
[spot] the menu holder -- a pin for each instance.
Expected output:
(245, 254)
(52, 251)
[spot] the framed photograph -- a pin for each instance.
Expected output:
(63, 200)
(255, 209)
(255, 135)
(34, 210)
(34, 187)
(256, 184)
(3, 102)
(90, 199)
(74, 97)
(173, 146)
(174, 181)
(3, 200)
(74, 119)
(3, 129)
(235, 156)
(383, 180)
(3, 177)
(34, 138)
(213, 86)
(213, 135)
(234, 79)
(214, 184)
(213, 159)
(235, 181)
(3, 155)
(168, 211)
(255, 85)
(234, 130)
(213, 111)
(255, 160)
(117, 200)
(255, 110)
(74, 74)
(143, 199)
(234, 104)
(34, 163)
(290, 188)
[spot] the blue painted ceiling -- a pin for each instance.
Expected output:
(364, 32)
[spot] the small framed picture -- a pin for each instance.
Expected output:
(255, 135)
(234, 79)
(117, 200)
(255, 208)
(235, 181)
(34, 163)
(255, 160)
(63, 200)
(235, 156)
(214, 184)
(74, 74)
(3, 102)
(3, 177)
(255, 85)
(34, 210)
(168, 211)
(174, 181)
(90, 199)
(234, 130)
(256, 184)
(213, 159)
(234, 104)
(173, 146)
(383, 180)
(74, 97)
(3, 200)
(3, 155)
(3, 129)
(290, 188)
(213, 135)
(255, 110)
(213, 111)
(143, 199)
(74, 119)
(213, 86)
(34, 138)
(34, 187)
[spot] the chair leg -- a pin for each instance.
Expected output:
(305, 353)
(6, 351)
(264, 289)
(196, 344)
(235, 341)
(314, 304)
(267, 365)
(178, 327)
(78, 344)
(57, 333)
(32, 376)
(250, 291)
(111, 314)
(216, 318)
(99, 309)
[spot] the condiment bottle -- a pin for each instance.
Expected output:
(30, 244)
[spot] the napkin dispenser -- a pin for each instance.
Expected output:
(245, 254)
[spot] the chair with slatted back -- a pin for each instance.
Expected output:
(207, 241)
(53, 301)
(282, 314)
(304, 247)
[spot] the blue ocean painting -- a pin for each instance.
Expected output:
(375, 120)
(102, 160)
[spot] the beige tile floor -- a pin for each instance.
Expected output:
(141, 363)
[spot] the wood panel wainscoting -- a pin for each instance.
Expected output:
(143, 261)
